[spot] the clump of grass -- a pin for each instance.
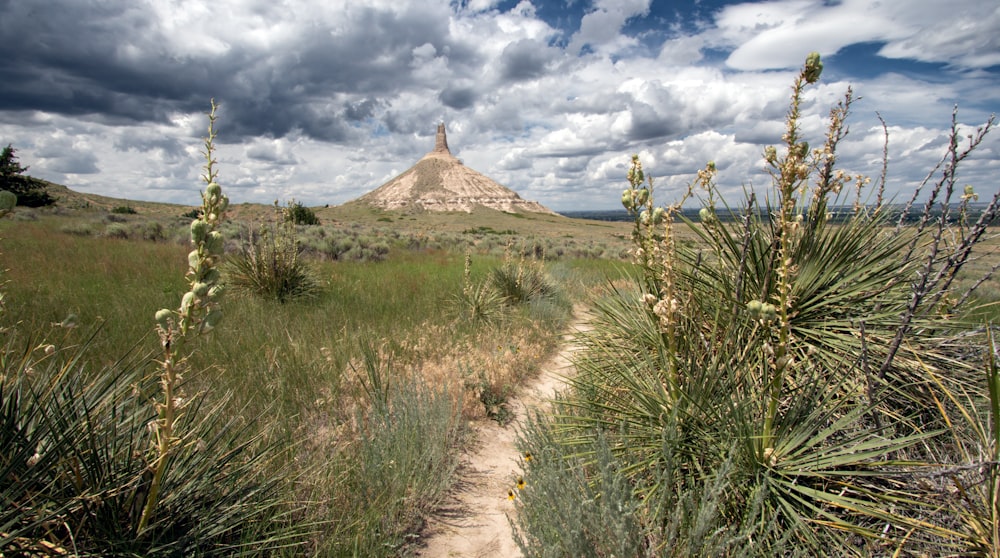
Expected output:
(393, 461)
(521, 281)
(269, 265)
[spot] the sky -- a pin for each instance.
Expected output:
(322, 101)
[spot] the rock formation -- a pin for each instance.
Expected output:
(440, 182)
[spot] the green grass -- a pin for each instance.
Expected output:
(286, 378)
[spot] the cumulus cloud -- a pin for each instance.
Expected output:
(600, 28)
(324, 102)
(780, 34)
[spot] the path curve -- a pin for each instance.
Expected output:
(474, 521)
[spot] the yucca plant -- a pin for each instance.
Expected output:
(478, 302)
(268, 265)
(74, 478)
(520, 281)
(89, 468)
(761, 368)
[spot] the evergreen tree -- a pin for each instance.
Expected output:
(30, 192)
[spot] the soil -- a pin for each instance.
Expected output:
(474, 521)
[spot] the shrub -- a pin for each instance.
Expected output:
(124, 210)
(152, 231)
(7, 202)
(117, 230)
(268, 265)
(298, 214)
(78, 229)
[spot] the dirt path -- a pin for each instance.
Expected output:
(474, 523)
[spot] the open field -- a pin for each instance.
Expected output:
(314, 375)
(774, 382)
(303, 372)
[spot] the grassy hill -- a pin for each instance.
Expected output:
(488, 229)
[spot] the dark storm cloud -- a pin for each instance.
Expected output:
(269, 154)
(114, 60)
(143, 141)
(647, 123)
(70, 162)
(458, 98)
(524, 60)
(360, 110)
(63, 57)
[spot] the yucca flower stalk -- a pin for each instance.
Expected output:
(655, 253)
(198, 313)
(791, 173)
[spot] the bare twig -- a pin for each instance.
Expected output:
(747, 236)
(880, 196)
(933, 275)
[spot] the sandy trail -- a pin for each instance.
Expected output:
(473, 523)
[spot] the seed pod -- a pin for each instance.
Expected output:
(768, 312)
(200, 289)
(186, 302)
(644, 217)
(213, 190)
(754, 308)
(643, 196)
(706, 215)
(814, 67)
(210, 275)
(215, 243)
(194, 260)
(163, 317)
(199, 229)
(627, 201)
(212, 319)
(659, 214)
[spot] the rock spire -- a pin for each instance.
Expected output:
(441, 140)
(440, 182)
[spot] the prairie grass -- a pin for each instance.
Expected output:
(326, 427)
(292, 376)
